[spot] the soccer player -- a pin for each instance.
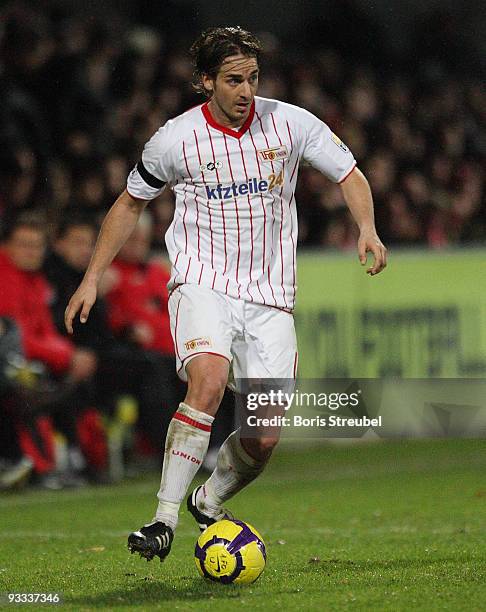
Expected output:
(232, 163)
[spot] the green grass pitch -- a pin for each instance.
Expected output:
(368, 526)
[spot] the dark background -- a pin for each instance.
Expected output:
(453, 31)
(85, 85)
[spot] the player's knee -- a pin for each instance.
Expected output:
(209, 392)
(267, 444)
(207, 381)
(261, 448)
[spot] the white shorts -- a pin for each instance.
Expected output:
(258, 341)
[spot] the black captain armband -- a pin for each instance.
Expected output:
(150, 179)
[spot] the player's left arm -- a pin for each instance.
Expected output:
(357, 194)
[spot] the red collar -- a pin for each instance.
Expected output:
(226, 130)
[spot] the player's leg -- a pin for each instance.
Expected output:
(189, 432)
(239, 462)
(185, 448)
(270, 352)
(190, 428)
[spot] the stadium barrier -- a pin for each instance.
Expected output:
(413, 336)
(423, 317)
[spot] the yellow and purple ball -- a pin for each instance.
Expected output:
(230, 551)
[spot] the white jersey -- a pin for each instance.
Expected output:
(235, 222)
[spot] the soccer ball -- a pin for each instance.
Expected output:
(230, 551)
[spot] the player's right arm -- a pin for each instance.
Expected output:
(117, 226)
(145, 182)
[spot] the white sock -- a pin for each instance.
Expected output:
(185, 447)
(234, 470)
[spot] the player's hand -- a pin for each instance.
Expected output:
(82, 300)
(369, 242)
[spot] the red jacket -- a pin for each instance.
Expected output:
(140, 296)
(24, 297)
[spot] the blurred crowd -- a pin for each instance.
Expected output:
(80, 97)
(82, 408)
(74, 395)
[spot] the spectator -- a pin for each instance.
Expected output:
(90, 93)
(15, 466)
(139, 319)
(24, 297)
(133, 360)
(138, 298)
(64, 267)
